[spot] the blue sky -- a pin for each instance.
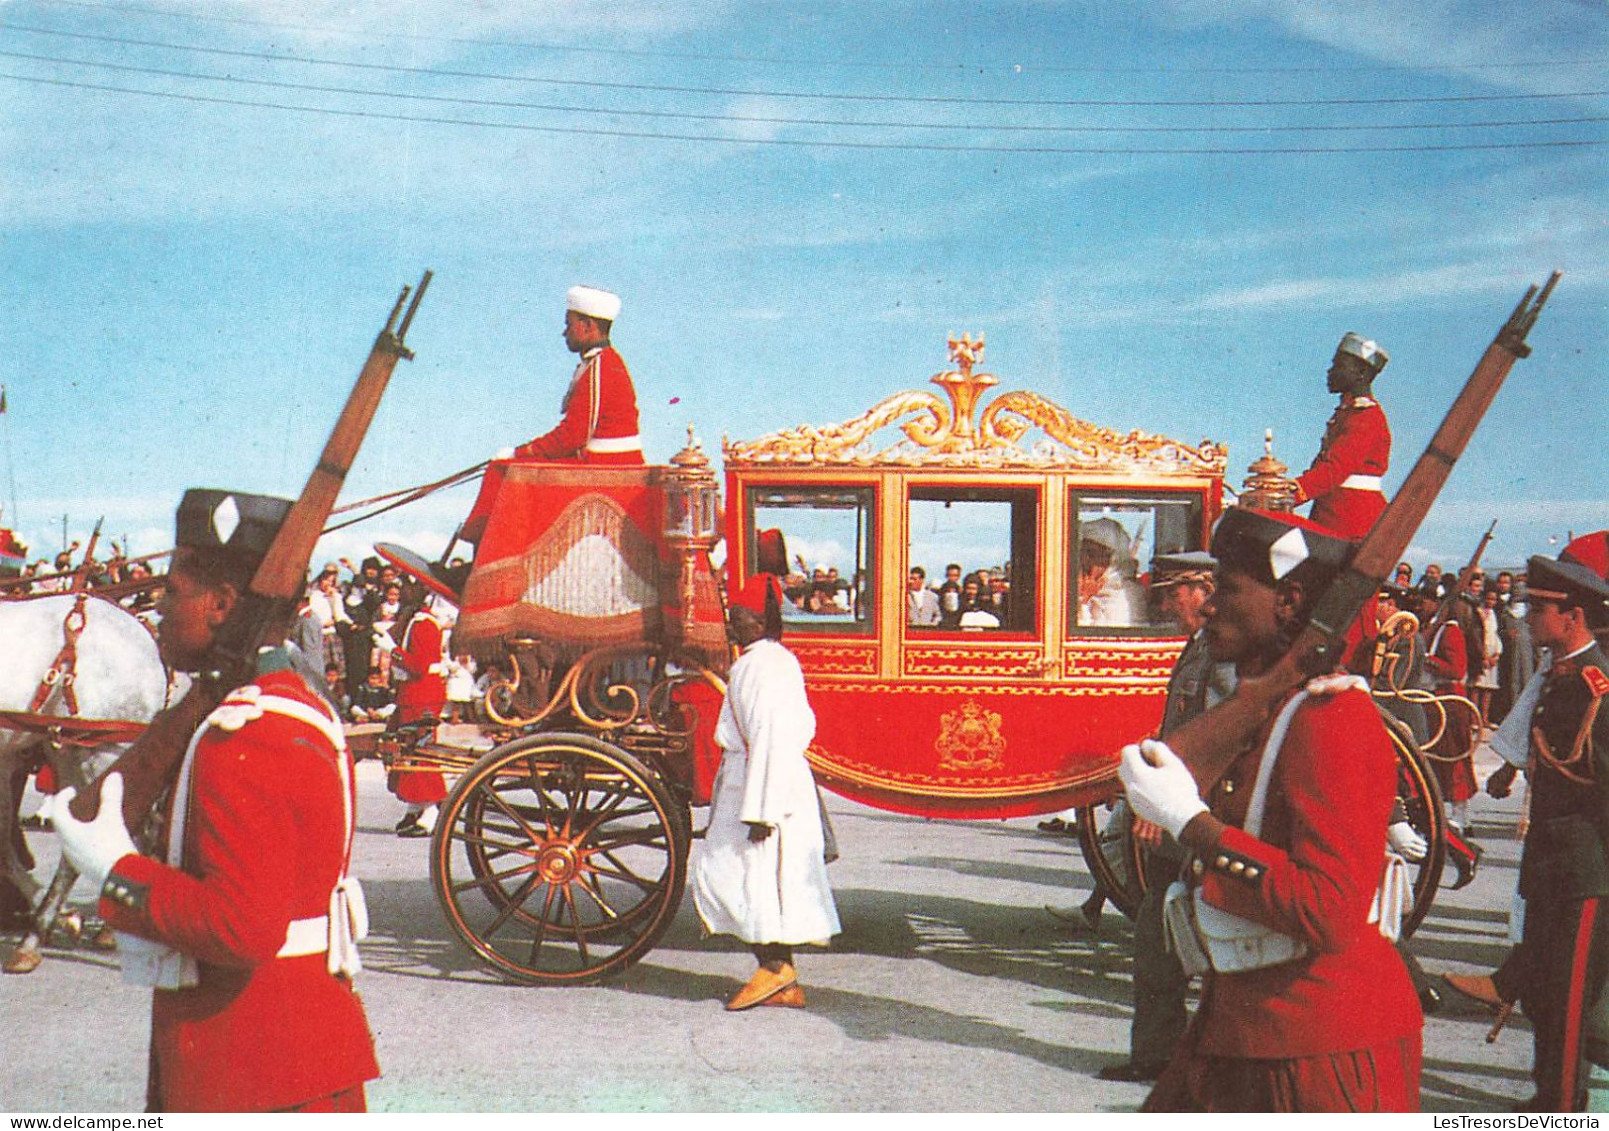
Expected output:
(191, 283)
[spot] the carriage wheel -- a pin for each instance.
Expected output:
(559, 858)
(1421, 797)
(1112, 855)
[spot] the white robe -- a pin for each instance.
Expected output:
(1119, 603)
(774, 890)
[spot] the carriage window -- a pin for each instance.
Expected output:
(971, 559)
(828, 531)
(1110, 552)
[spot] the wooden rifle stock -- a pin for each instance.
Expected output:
(1211, 741)
(264, 613)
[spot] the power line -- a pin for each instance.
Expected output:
(773, 60)
(811, 144)
(659, 88)
(759, 119)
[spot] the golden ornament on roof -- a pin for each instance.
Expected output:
(952, 432)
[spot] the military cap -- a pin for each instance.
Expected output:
(1364, 349)
(243, 525)
(1176, 569)
(1271, 547)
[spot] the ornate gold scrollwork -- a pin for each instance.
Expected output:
(951, 433)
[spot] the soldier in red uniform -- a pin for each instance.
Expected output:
(1328, 1020)
(420, 661)
(1344, 482)
(246, 927)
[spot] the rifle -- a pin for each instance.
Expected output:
(1212, 740)
(1444, 611)
(266, 610)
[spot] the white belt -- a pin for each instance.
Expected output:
(337, 933)
(1362, 482)
(306, 936)
(610, 445)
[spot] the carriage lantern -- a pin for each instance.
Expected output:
(692, 514)
(1267, 487)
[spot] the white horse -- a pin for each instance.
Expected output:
(64, 657)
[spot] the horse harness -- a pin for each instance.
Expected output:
(68, 730)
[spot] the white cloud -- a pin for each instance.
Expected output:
(1430, 36)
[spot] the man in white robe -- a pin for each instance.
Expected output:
(760, 874)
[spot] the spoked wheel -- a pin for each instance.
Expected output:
(1112, 855)
(559, 858)
(1421, 798)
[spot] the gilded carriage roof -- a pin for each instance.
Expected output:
(952, 432)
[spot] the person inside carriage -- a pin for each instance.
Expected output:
(599, 425)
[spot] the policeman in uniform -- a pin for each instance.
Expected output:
(245, 921)
(1564, 872)
(1287, 1032)
(1184, 583)
(1344, 482)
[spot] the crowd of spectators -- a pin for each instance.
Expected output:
(1490, 614)
(350, 606)
(962, 601)
(353, 610)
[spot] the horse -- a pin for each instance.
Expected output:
(80, 679)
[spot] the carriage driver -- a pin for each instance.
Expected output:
(599, 424)
(244, 922)
(1344, 482)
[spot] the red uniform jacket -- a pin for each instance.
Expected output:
(1357, 441)
(264, 843)
(1312, 875)
(1447, 659)
(600, 416)
(599, 426)
(424, 661)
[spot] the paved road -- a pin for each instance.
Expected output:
(951, 989)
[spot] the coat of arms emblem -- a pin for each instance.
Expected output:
(970, 739)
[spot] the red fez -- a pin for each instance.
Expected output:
(771, 552)
(1580, 575)
(1590, 550)
(752, 595)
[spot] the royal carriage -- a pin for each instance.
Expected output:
(561, 853)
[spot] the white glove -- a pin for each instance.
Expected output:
(1164, 794)
(93, 847)
(504, 453)
(1407, 843)
(383, 641)
(1335, 683)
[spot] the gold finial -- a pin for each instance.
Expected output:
(692, 457)
(964, 388)
(966, 352)
(1267, 487)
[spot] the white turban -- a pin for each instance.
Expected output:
(593, 303)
